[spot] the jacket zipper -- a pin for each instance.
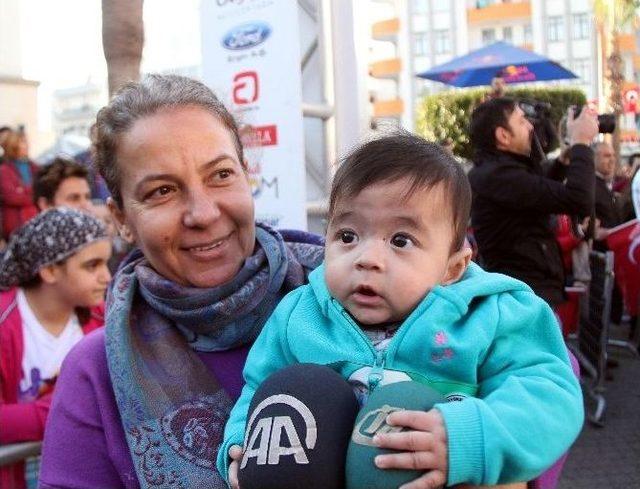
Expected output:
(377, 371)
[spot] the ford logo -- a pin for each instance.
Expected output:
(246, 36)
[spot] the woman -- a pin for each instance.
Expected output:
(53, 275)
(143, 403)
(16, 180)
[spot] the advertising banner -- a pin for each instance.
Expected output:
(251, 60)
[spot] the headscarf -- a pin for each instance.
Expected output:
(172, 408)
(48, 238)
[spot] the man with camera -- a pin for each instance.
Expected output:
(514, 199)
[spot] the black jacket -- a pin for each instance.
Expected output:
(513, 202)
(608, 211)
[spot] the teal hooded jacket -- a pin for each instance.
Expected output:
(486, 342)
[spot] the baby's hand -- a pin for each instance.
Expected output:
(425, 447)
(235, 452)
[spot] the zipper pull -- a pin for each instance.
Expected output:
(377, 371)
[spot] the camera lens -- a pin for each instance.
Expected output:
(606, 123)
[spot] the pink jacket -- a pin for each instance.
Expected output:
(21, 421)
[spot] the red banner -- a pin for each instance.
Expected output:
(624, 241)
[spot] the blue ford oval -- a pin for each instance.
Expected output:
(246, 36)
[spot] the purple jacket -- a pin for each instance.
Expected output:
(85, 444)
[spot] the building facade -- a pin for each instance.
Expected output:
(563, 30)
(18, 96)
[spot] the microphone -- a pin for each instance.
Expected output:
(298, 428)
(361, 471)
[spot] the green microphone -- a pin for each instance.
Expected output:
(361, 471)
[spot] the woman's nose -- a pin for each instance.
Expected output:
(201, 207)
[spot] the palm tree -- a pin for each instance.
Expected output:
(122, 40)
(612, 16)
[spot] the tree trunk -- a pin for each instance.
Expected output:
(122, 40)
(616, 78)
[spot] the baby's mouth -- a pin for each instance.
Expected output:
(366, 290)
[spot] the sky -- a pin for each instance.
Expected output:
(62, 42)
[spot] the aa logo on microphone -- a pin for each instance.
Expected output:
(372, 423)
(263, 436)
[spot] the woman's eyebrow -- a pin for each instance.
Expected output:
(215, 161)
(153, 177)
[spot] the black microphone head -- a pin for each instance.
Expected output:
(298, 427)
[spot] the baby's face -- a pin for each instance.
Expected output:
(385, 252)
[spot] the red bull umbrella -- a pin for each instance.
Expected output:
(514, 65)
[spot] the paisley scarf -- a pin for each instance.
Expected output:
(172, 408)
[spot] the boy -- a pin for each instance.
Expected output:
(62, 182)
(397, 299)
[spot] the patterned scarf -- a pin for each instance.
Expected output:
(173, 410)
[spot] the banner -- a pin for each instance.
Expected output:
(251, 60)
(624, 241)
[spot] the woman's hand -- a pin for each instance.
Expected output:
(424, 447)
(235, 452)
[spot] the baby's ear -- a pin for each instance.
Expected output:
(457, 265)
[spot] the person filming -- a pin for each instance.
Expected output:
(514, 199)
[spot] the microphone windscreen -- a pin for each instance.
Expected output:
(298, 427)
(361, 471)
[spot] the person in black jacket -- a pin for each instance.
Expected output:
(514, 200)
(608, 211)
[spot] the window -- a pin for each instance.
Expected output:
(581, 26)
(442, 41)
(507, 34)
(488, 36)
(441, 6)
(582, 68)
(528, 34)
(421, 6)
(421, 44)
(555, 28)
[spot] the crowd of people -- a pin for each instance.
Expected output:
(207, 306)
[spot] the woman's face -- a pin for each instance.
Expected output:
(186, 199)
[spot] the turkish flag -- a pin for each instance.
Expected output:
(624, 241)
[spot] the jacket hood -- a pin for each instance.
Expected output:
(475, 284)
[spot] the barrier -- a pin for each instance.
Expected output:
(593, 332)
(15, 452)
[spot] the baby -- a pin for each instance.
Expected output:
(398, 299)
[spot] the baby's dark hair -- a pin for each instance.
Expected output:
(405, 155)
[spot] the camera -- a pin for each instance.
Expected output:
(606, 122)
(539, 114)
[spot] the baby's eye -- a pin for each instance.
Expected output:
(401, 241)
(347, 237)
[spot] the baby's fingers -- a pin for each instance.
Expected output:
(413, 441)
(235, 452)
(407, 460)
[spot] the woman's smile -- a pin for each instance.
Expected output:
(208, 250)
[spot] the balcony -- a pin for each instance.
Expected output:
(499, 11)
(388, 68)
(627, 43)
(385, 30)
(388, 108)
